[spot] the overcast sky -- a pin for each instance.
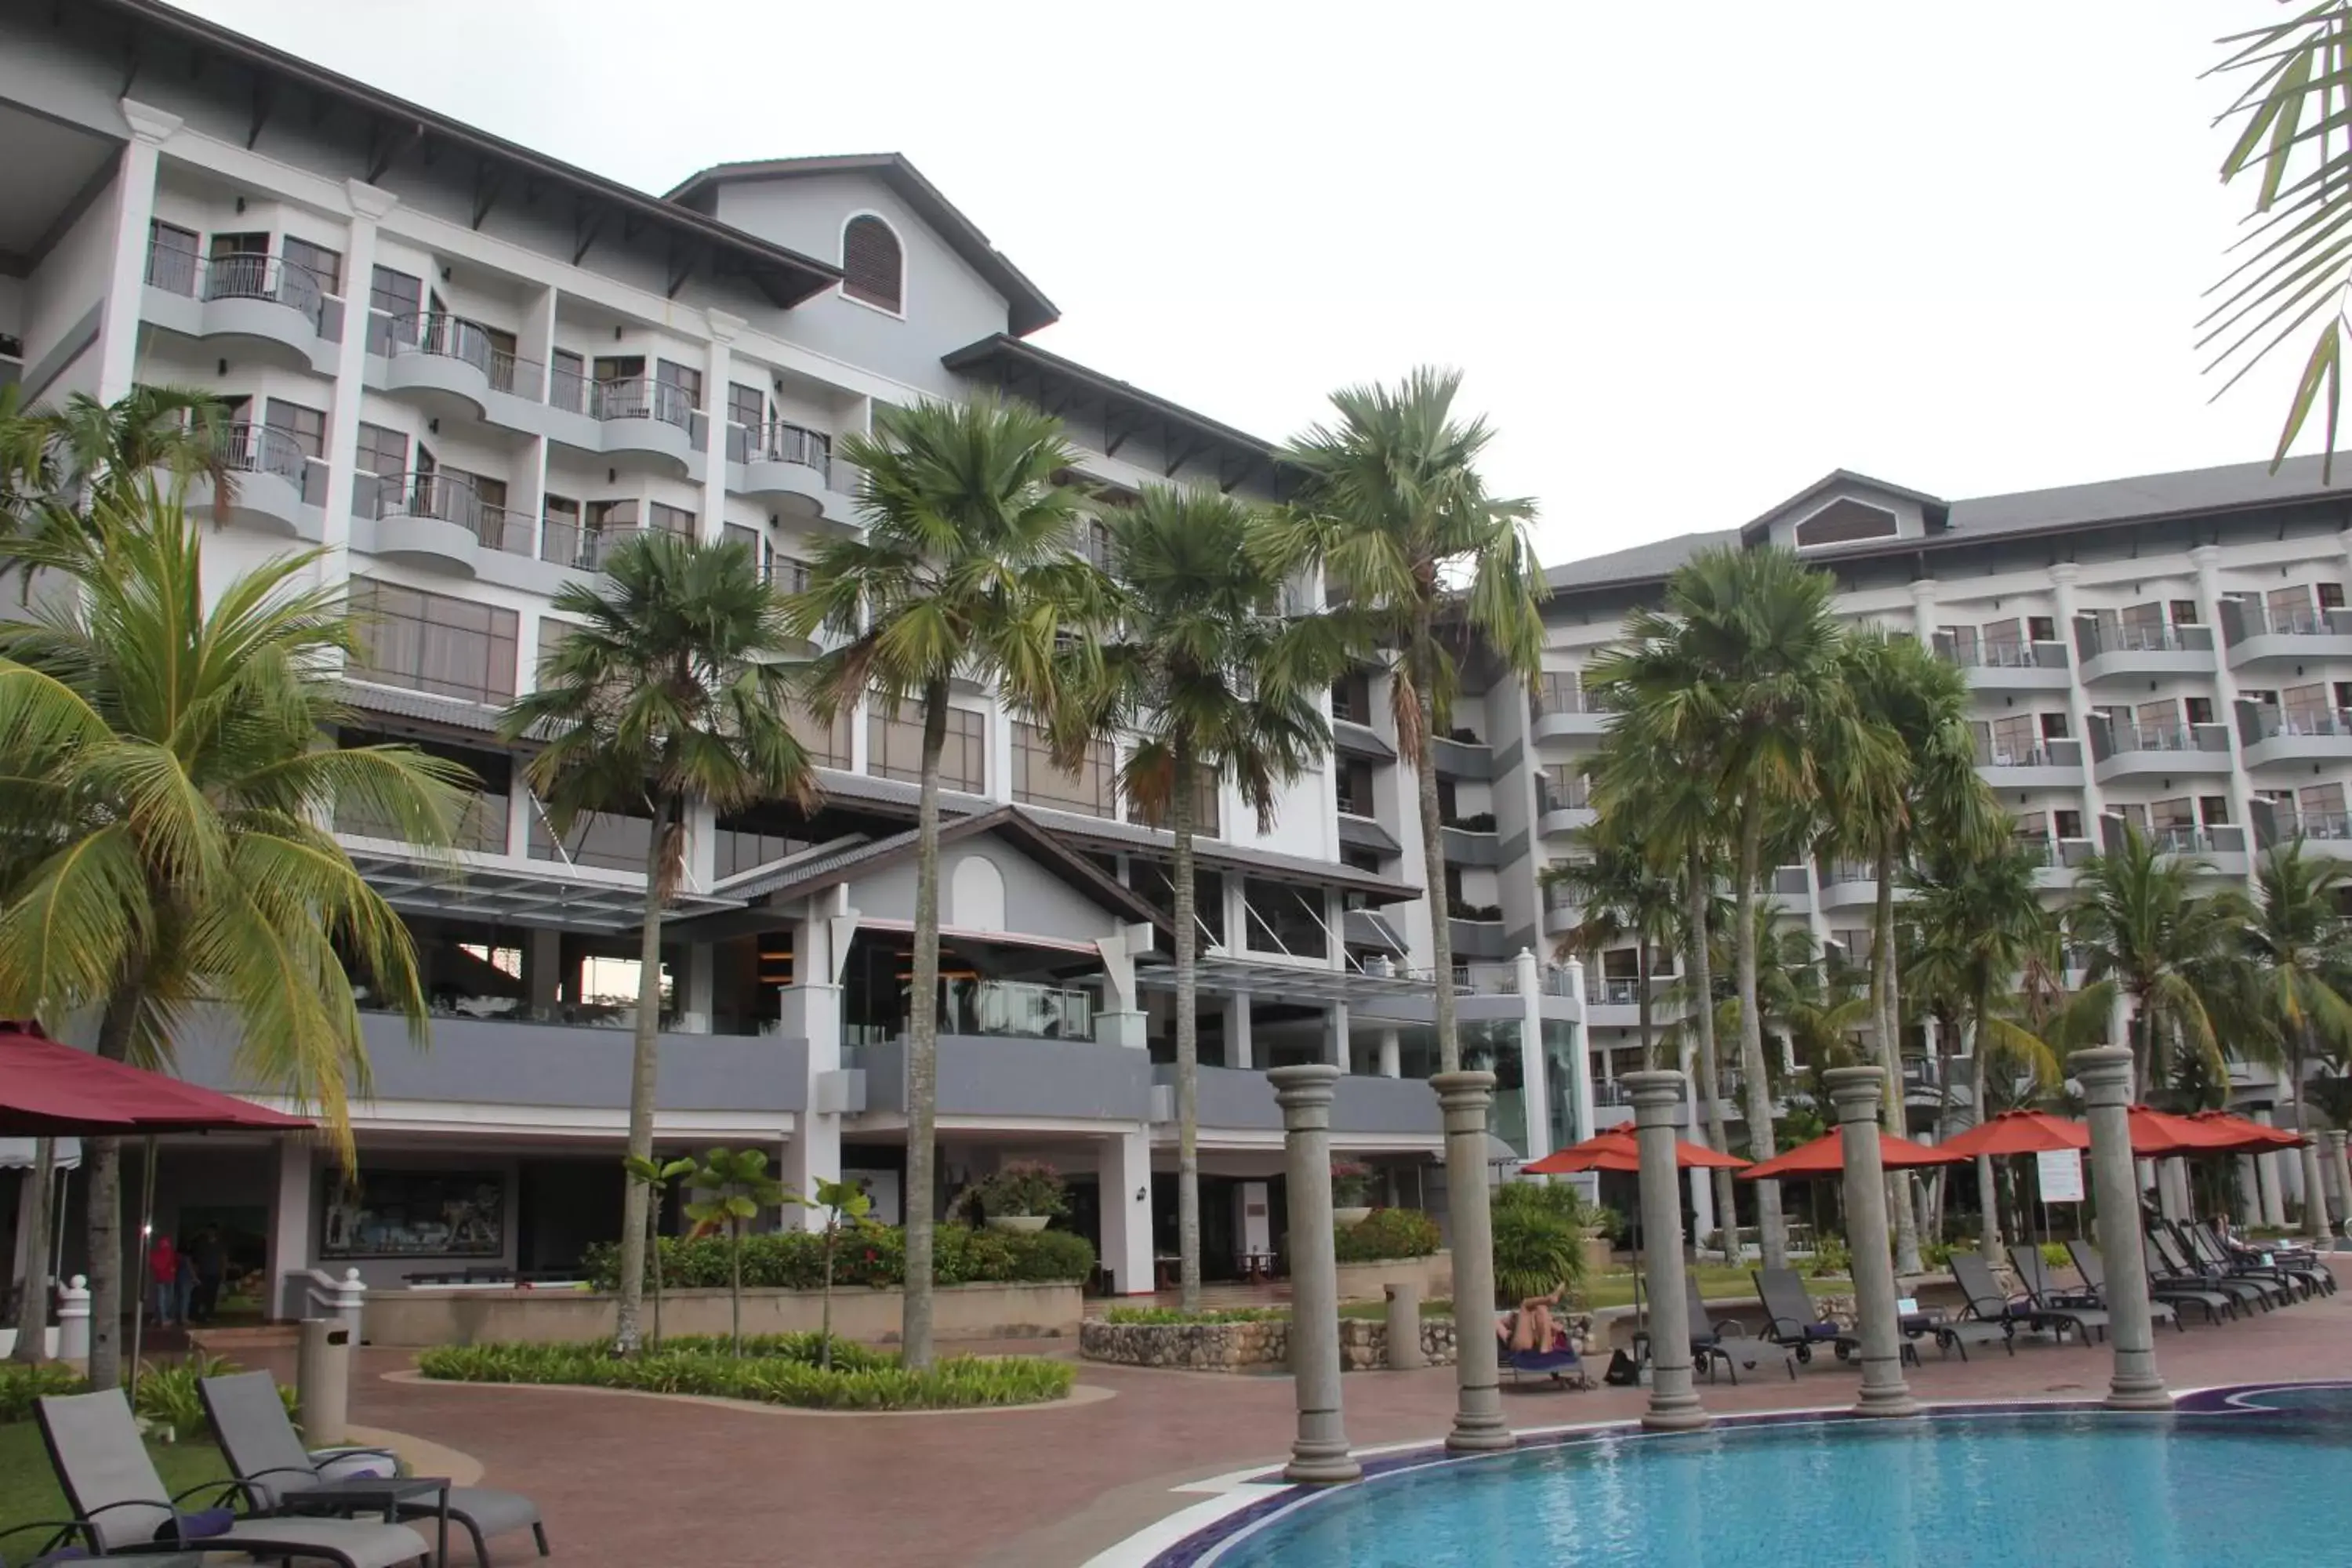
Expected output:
(1692, 255)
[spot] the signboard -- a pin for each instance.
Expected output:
(2060, 1172)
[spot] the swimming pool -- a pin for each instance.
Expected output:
(2235, 1477)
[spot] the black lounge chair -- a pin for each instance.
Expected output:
(1987, 1302)
(2163, 1301)
(1708, 1349)
(1790, 1321)
(2179, 1265)
(120, 1508)
(2245, 1264)
(2052, 1305)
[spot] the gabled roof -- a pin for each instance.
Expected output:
(1835, 479)
(1027, 307)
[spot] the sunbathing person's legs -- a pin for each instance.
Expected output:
(1532, 1330)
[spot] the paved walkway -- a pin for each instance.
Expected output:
(630, 1480)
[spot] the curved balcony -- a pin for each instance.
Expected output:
(2195, 749)
(258, 299)
(2013, 667)
(271, 472)
(1847, 885)
(2112, 652)
(2223, 850)
(437, 523)
(789, 463)
(1560, 820)
(2054, 764)
(2279, 737)
(439, 357)
(634, 413)
(1570, 716)
(2255, 636)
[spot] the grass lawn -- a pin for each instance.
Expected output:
(1715, 1283)
(28, 1491)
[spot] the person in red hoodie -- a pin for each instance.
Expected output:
(164, 1279)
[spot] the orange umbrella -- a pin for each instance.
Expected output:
(2246, 1135)
(1825, 1156)
(1620, 1149)
(2019, 1133)
(2159, 1134)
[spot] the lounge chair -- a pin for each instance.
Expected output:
(2207, 1250)
(120, 1505)
(54, 1556)
(2054, 1306)
(1562, 1367)
(2162, 1300)
(1790, 1320)
(1987, 1302)
(1706, 1339)
(268, 1459)
(2179, 1265)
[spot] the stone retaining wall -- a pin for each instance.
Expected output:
(1263, 1346)
(461, 1317)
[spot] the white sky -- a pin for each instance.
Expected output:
(1691, 255)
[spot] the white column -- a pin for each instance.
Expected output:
(134, 208)
(369, 206)
(290, 1221)
(700, 989)
(1238, 1046)
(1391, 1054)
(2266, 1172)
(1335, 1036)
(1534, 1072)
(1123, 1165)
(2078, 697)
(1582, 1054)
(1923, 611)
(718, 367)
(2250, 1191)
(2208, 560)
(542, 968)
(810, 1009)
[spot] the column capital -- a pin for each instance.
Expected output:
(1466, 1097)
(148, 124)
(1656, 1097)
(2104, 1073)
(1923, 590)
(1305, 1094)
(1857, 1091)
(2204, 556)
(2066, 571)
(2337, 1138)
(724, 325)
(371, 202)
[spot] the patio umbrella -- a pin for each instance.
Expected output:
(2159, 1134)
(2246, 1136)
(1825, 1156)
(2019, 1133)
(1620, 1149)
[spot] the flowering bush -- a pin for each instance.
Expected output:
(1385, 1234)
(1020, 1187)
(1351, 1183)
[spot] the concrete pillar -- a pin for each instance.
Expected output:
(2105, 1075)
(134, 207)
(290, 1222)
(73, 1319)
(369, 206)
(717, 369)
(1923, 611)
(2172, 1189)
(1320, 1453)
(1237, 1031)
(2250, 1191)
(542, 969)
(1123, 1166)
(810, 1009)
(1858, 1092)
(1702, 1192)
(2267, 1176)
(1657, 1113)
(1335, 1035)
(2343, 1176)
(1534, 1069)
(2078, 697)
(1478, 1426)
(1391, 1054)
(701, 989)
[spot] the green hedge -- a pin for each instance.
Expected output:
(21, 1384)
(867, 1254)
(774, 1369)
(1385, 1233)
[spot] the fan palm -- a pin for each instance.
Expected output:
(2300, 959)
(57, 464)
(1620, 898)
(667, 694)
(165, 804)
(2138, 923)
(965, 570)
(1213, 684)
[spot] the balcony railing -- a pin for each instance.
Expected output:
(1613, 991)
(2182, 738)
(2062, 851)
(2120, 638)
(449, 498)
(628, 398)
(450, 337)
(780, 442)
(1842, 872)
(1567, 700)
(564, 542)
(2197, 841)
(2274, 722)
(2058, 754)
(2259, 621)
(238, 276)
(1997, 655)
(2333, 826)
(1549, 798)
(251, 448)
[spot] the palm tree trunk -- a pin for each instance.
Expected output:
(32, 1224)
(1432, 855)
(1702, 976)
(102, 1158)
(1887, 1023)
(1771, 1231)
(1642, 1001)
(1945, 1038)
(1988, 1223)
(2315, 1190)
(644, 1075)
(923, 1044)
(1188, 1035)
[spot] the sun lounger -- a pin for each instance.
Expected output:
(2207, 1250)
(1790, 1320)
(2161, 1298)
(119, 1506)
(2179, 1265)
(1562, 1366)
(1985, 1301)
(2052, 1305)
(262, 1448)
(1709, 1347)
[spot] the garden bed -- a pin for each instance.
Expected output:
(1248, 1339)
(774, 1369)
(503, 1315)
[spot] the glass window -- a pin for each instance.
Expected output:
(431, 642)
(1352, 786)
(1285, 917)
(2158, 722)
(1205, 822)
(1963, 641)
(1152, 883)
(2068, 822)
(2304, 709)
(394, 302)
(2166, 816)
(894, 748)
(2007, 635)
(307, 426)
(827, 746)
(326, 266)
(1036, 781)
(606, 516)
(567, 381)
(746, 406)
(672, 519)
(2014, 737)
(2322, 800)
(2289, 607)
(171, 258)
(687, 382)
(381, 451)
(2198, 708)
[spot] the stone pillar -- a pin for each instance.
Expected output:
(1391, 1054)
(2105, 1075)
(1657, 1112)
(2266, 1175)
(134, 208)
(73, 1319)
(2343, 1179)
(1478, 1426)
(1123, 1166)
(289, 1221)
(369, 206)
(1858, 1093)
(1320, 1454)
(1238, 1047)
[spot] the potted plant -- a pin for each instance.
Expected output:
(1351, 1192)
(1022, 1195)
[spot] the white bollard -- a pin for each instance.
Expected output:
(73, 1320)
(350, 1302)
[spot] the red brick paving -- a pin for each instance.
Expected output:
(629, 1480)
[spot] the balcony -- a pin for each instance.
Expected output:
(790, 465)
(1461, 755)
(1561, 812)
(2272, 735)
(255, 298)
(2191, 750)
(2223, 848)
(2114, 652)
(2058, 859)
(2327, 832)
(1847, 884)
(1569, 715)
(438, 523)
(1472, 840)
(2255, 635)
(2053, 764)
(1238, 1100)
(2013, 667)
(440, 356)
(632, 414)
(278, 488)
(563, 543)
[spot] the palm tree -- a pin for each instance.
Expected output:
(57, 464)
(1620, 898)
(666, 696)
(2301, 956)
(2139, 923)
(965, 571)
(1739, 672)
(1213, 684)
(1926, 785)
(165, 757)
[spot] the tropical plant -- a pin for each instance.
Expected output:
(1017, 1188)
(1539, 1232)
(666, 693)
(654, 1176)
(2301, 959)
(1621, 896)
(965, 570)
(845, 1203)
(733, 1185)
(2138, 921)
(1391, 508)
(866, 1255)
(1352, 1182)
(168, 796)
(59, 466)
(774, 1369)
(1211, 683)
(1386, 1234)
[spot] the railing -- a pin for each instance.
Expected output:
(2063, 851)
(2334, 825)
(1017, 1009)
(2064, 755)
(238, 276)
(2274, 722)
(1610, 991)
(788, 576)
(1577, 796)
(2197, 841)
(1348, 806)
(2120, 638)
(780, 442)
(481, 824)
(1842, 872)
(449, 499)
(450, 337)
(252, 448)
(2183, 739)
(2259, 621)
(628, 398)
(1566, 699)
(566, 543)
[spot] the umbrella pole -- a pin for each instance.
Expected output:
(146, 1240)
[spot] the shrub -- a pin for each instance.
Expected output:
(1538, 1232)
(2054, 1253)
(1019, 1187)
(21, 1384)
(1204, 1315)
(1936, 1254)
(774, 1369)
(1385, 1233)
(1830, 1255)
(867, 1254)
(1352, 1183)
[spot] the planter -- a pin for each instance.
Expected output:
(1352, 1215)
(445, 1317)
(1022, 1221)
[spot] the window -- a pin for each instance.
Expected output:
(1351, 698)
(2158, 722)
(2331, 596)
(827, 746)
(685, 385)
(567, 383)
(1562, 787)
(431, 642)
(2171, 815)
(558, 541)
(1352, 787)
(2184, 611)
(308, 426)
(1035, 779)
(1205, 822)
(1361, 861)
(323, 265)
(171, 258)
(672, 519)
(872, 265)
(1845, 521)
(2325, 805)
(394, 301)
(2014, 738)
(383, 457)
(2142, 626)
(2068, 822)
(2289, 607)
(1963, 641)
(2213, 810)
(1284, 918)
(2200, 710)
(2042, 628)
(746, 406)
(1559, 692)
(607, 515)
(2008, 636)
(2054, 727)
(2032, 824)
(894, 748)
(2304, 709)
(1151, 882)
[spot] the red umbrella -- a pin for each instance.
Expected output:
(1825, 1156)
(2159, 1134)
(1620, 1149)
(52, 1090)
(2019, 1133)
(2246, 1136)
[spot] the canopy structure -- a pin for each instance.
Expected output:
(52, 1090)
(2018, 1133)
(1619, 1149)
(1825, 1156)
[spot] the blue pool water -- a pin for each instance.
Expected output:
(2020, 1492)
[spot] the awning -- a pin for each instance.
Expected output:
(1222, 976)
(544, 893)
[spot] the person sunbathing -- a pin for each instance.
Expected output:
(1532, 1328)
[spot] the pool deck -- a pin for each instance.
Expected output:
(626, 1480)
